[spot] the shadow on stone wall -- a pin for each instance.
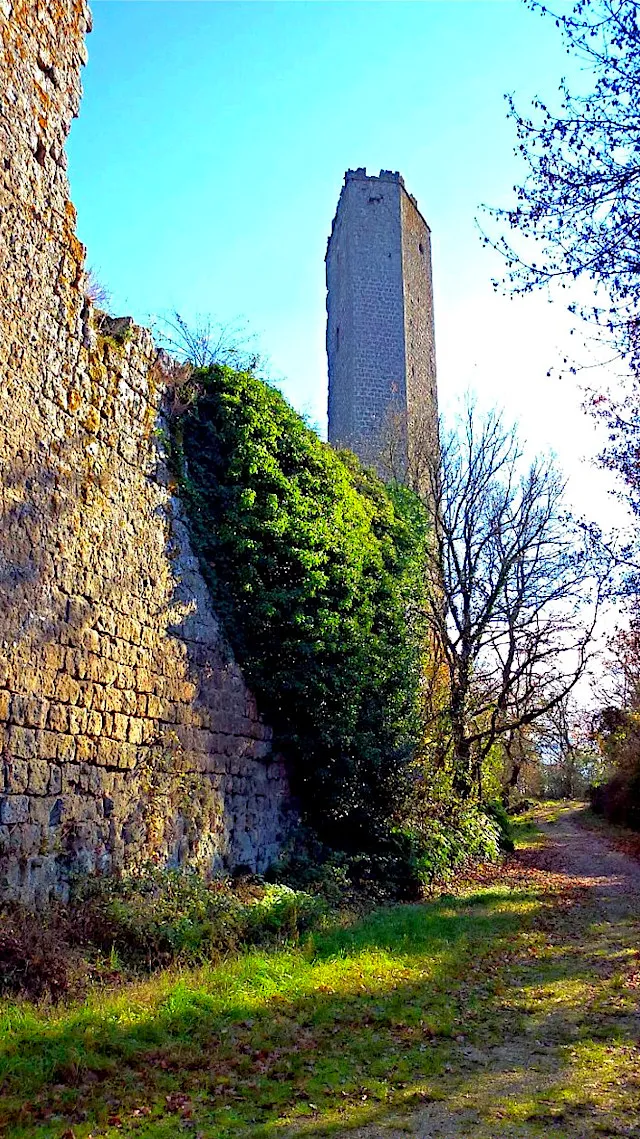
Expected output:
(128, 732)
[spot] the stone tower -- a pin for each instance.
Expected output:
(380, 329)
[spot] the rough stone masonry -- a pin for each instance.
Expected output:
(127, 732)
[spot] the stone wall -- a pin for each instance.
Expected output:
(126, 728)
(380, 338)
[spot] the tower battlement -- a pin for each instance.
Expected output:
(380, 326)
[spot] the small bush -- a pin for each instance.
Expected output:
(158, 916)
(520, 806)
(162, 916)
(618, 799)
(283, 912)
(36, 954)
(499, 814)
(402, 865)
(444, 846)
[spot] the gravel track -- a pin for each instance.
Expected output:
(594, 933)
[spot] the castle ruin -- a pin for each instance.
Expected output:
(127, 732)
(380, 327)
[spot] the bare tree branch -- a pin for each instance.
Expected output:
(208, 342)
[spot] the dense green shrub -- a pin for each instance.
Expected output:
(402, 865)
(443, 847)
(159, 916)
(497, 811)
(618, 799)
(117, 926)
(344, 877)
(315, 569)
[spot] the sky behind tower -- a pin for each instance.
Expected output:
(210, 150)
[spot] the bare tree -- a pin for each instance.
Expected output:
(570, 757)
(403, 447)
(578, 206)
(208, 342)
(514, 590)
(521, 763)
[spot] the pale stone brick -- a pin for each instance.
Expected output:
(94, 723)
(22, 743)
(136, 731)
(78, 721)
(39, 774)
(86, 749)
(5, 703)
(120, 729)
(66, 748)
(47, 744)
(58, 718)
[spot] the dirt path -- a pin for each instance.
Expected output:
(558, 1053)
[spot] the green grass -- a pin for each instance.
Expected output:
(344, 1021)
(513, 1002)
(525, 828)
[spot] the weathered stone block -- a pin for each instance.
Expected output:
(16, 776)
(47, 744)
(39, 775)
(58, 718)
(14, 809)
(22, 743)
(29, 711)
(120, 729)
(94, 723)
(86, 749)
(67, 689)
(66, 749)
(136, 731)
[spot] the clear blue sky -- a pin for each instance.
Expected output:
(209, 155)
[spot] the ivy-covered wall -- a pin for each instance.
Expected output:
(127, 731)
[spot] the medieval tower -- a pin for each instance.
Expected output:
(380, 328)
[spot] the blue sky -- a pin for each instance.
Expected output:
(210, 151)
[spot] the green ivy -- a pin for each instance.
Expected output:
(314, 567)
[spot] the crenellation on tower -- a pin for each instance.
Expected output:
(380, 328)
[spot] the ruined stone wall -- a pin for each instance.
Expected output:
(126, 729)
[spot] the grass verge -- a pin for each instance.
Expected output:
(508, 1009)
(347, 1020)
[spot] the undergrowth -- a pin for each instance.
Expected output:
(407, 863)
(351, 1015)
(116, 926)
(119, 926)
